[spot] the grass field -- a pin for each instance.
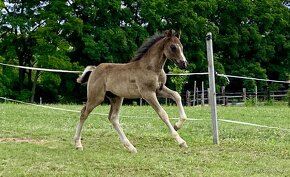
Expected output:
(36, 141)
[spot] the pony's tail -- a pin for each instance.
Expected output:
(86, 74)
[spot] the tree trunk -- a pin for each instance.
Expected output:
(21, 73)
(37, 74)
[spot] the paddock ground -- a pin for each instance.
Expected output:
(36, 141)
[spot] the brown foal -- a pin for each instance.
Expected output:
(143, 77)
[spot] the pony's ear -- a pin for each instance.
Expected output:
(178, 34)
(169, 33)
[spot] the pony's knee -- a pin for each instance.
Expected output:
(164, 116)
(176, 96)
(83, 110)
(114, 120)
(84, 113)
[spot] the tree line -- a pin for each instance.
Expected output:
(251, 38)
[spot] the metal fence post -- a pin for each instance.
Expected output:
(211, 77)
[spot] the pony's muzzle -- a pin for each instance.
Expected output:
(182, 64)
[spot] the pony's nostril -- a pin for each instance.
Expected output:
(185, 64)
(182, 64)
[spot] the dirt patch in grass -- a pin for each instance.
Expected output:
(21, 140)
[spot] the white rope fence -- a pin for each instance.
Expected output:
(186, 74)
(145, 117)
(168, 74)
(77, 72)
(251, 78)
(41, 69)
(251, 124)
(75, 111)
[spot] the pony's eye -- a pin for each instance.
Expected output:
(173, 47)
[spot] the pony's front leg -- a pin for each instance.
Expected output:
(152, 100)
(167, 93)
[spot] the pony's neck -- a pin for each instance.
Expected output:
(155, 59)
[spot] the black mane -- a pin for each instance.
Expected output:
(146, 46)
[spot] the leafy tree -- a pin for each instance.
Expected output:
(34, 36)
(251, 38)
(178, 81)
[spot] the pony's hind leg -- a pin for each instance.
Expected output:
(83, 117)
(116, 103)
(87, 109)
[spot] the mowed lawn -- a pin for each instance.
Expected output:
(36, 141)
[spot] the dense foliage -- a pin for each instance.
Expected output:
(251, 38)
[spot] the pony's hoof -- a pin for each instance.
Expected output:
(133, 150)
(80, 148)
(129, 147)
(183, 145)
(175, 127)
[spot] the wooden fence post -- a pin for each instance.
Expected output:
(224, 95)
(256, 95)
(208, 97)
(196, 96)
(194, 93)
(244, 94)
(188, 98)
(202, 93)
(268, 93)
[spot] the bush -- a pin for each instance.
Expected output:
(135, 103)
(270, 102)
(250, 102)
(178, 81)
(24, 95)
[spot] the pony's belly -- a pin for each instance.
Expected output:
(125, 90)
(127, 94)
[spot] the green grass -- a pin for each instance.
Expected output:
(37, 141)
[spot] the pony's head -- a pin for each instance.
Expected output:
(173, 49)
